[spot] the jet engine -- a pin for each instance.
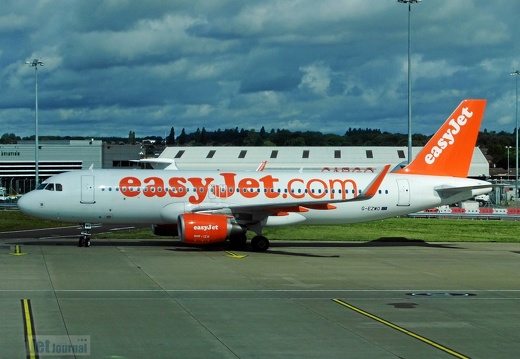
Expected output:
(199, 228)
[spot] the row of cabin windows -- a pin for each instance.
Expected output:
(305, 154)
(59, 187)
(232, 190)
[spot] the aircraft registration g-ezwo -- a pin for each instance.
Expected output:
(212, 206)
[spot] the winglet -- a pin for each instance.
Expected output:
(450, 150)
(172, 166)
(372, 188)
(262, 166)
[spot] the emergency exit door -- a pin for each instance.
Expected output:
(403, 194)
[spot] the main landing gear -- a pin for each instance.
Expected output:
(259, 243)
(84, 238)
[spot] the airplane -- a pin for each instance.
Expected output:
(203, 207)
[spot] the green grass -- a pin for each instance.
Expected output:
(13, 220)
(431, 230)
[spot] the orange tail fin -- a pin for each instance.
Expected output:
(450, 150)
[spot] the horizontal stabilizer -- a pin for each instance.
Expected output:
(449, 191)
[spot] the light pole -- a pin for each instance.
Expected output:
(409, 2)
(516, 73)
(35, 63)
(508, 148)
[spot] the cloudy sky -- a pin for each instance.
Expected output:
(114, 66)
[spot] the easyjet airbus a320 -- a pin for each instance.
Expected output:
(213, 206)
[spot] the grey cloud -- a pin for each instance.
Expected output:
(112, 66)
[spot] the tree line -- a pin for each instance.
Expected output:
(495, 143)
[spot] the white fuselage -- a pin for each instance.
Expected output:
(159, 197)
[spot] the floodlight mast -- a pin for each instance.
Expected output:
(35, 63)
(516, 73)
(409, 2)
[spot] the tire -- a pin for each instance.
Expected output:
(260, 243)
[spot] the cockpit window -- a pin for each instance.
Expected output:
(51, 186)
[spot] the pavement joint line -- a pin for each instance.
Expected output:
(404, 291)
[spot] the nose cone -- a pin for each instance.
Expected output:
(28, 204)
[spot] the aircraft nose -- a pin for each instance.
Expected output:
(27, 204)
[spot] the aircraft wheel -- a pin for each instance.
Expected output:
(260, 243)
(84, 241)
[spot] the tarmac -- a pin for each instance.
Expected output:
(159, 299)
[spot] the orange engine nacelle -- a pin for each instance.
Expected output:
(198, 228)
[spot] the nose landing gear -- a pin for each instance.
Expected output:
(84, 239)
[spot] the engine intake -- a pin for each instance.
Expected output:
(199, 228)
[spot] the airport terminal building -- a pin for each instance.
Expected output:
(17, 170)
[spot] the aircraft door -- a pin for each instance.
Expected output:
(403, 195)
(87, 189)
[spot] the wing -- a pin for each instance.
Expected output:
(295, 205)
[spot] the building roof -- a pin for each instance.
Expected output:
(308, 158)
